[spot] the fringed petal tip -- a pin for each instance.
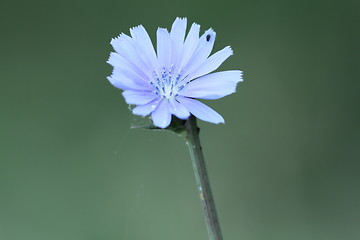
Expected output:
(116, 38)
(179, 20)
(241, 73)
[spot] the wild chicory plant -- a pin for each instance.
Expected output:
(165, 83)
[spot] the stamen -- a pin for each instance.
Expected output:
(166, 86)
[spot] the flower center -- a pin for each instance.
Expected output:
(166, 85)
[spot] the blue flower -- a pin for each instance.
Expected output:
(165, 83)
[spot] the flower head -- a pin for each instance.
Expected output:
(165, 82)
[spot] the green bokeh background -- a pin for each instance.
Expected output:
(284, 166)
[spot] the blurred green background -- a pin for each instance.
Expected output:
(284, 166)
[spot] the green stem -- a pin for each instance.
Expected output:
(202, 179)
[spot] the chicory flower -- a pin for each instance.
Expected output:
(166, 82)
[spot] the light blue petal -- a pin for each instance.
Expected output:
(179, 110)
(213, 86)
(118, 61)
(146, 109)
(190, 44)
(177, 35)
(126, 80)
(138, 97)
(178, 30)
(144, 47)
(163, 47)
(212, 63)
(202, 51)
(162, 116)
(201, 111)
(127, 47)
